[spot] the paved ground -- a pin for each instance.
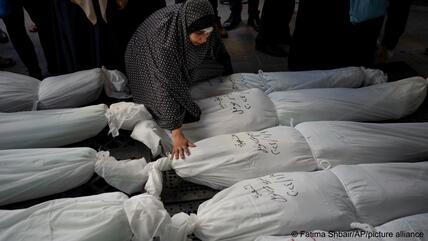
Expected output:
(245, 58)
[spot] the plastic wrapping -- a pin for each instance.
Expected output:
(70, 90)
(349, 77)
(382, 192)
(248, 110)
(23, 93)
(50, 128)
(92, 218)
(340, 142)
(125, 115)
(32, 173)
(281, 203)
(388, 101)
(17, 92)
(411, 225)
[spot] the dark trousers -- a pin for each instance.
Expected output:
(319, 39)
(274, 22)
(16, 28)
(123, 23)
(361, 42)
(214, 4)
(397, 15)
(236, 8)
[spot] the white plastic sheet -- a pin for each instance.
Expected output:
(125, 175)
(17, 92)
(125, 115)
(411, 225)
(276, 204)
(23, 93)
(281, 203)
(92, 218)
(31, 173)
(226, 84)
(340, 142)
(50, 128)
(223, 160)
(350, 77)
(70, 90)
(116, 84)
(248, 110)
(374, 103)
(382, 192)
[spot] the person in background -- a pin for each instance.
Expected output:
(173, 48)
(395, 25)
(93, 33)
(275, 27)
(235, 14)
(16, 28)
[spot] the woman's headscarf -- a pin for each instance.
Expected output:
(160, 57)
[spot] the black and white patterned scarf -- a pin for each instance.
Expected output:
(160, 60)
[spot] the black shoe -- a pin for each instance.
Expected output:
(254, 22)
(426, 51)
(271, 49)
(232, 22)
(3, 37)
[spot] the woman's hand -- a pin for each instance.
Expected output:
(180, 145)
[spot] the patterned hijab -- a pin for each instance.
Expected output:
(161, 48)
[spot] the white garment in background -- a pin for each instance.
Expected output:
(380, 102)
(50, 128)
(341, 142)
(91, 218)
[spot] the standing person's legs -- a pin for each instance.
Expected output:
(39, 12)
(274, 28)
(222, 31)
(396, 20)
(397, 15)
(253, 14)
(15, 26)
(319, 39)
(235, 16)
